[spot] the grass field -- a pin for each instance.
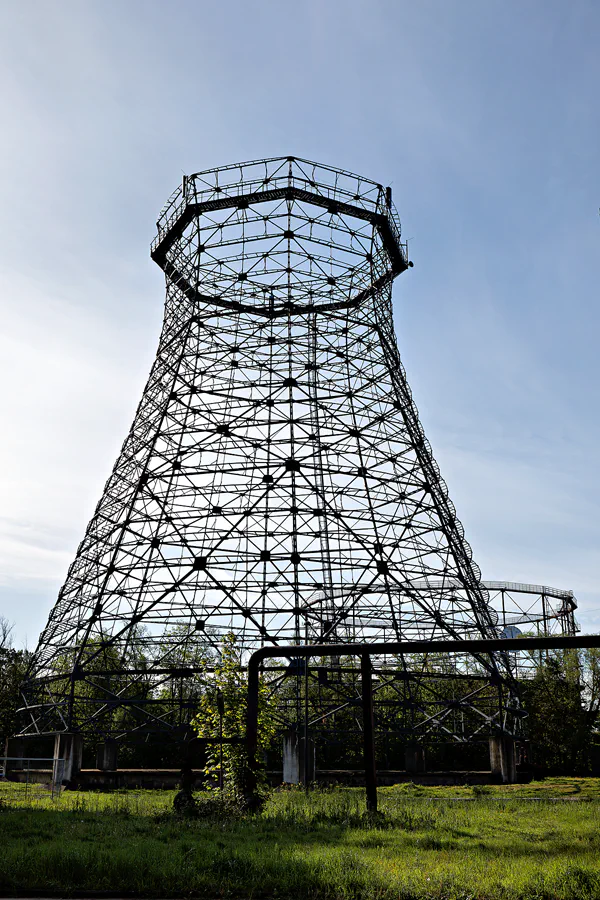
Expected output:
(533, 841)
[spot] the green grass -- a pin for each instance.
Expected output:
(426, 844)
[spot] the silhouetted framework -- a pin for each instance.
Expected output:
(391, 650)
(276, 482)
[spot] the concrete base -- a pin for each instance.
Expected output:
(387, 777)
(293, 759)
(502, 759)
(169, 779)
(94, 779)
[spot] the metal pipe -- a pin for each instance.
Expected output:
(368, 732)
(221, 709)
(306, 748)
(481, 645)
(252, 727)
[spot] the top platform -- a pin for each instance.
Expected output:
(279, 236)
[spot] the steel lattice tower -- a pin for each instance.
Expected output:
(276, 482)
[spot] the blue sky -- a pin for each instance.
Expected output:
(484, 118)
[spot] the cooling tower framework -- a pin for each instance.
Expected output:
(276, 484)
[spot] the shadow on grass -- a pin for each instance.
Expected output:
(324, 847)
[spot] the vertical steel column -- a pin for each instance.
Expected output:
(305, 777)
(251, 785)
(221, 709)
(368, 732)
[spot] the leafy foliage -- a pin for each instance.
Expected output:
(228, 690)
(13, 666)
(562, 703)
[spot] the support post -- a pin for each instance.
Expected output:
(291, 761)
(106, 756)
(298, 759)
(368, 732)
(509, 772)
(414, 758)
(68, 750)
(221, 709)
(251, 786)
(522, 755)
(496, 756)
(502, 758)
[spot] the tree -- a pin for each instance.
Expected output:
(590, 676)
(222, 713)
(5, 633)
(183, 648)
(13, 666)
(560, 722)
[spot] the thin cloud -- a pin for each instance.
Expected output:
(489, 135)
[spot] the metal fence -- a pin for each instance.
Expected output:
(27, 780)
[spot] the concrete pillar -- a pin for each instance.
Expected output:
(68, 750)
(522, 756)
(293, 759)
(106, 756)
(496, 756)
(502, 758)
(14, 749)
(414, 758)
(509, 773)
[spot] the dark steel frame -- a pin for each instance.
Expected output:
(276, 482)
(365, 652)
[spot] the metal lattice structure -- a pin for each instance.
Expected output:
(534, 609)
(276, 482)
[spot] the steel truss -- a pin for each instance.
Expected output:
(276, 482)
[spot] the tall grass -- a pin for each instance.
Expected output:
(320, 846)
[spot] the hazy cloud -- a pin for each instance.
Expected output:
(482, 116)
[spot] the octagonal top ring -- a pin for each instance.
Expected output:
(279, 236)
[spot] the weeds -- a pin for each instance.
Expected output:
(481, 790)
(322, 846)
